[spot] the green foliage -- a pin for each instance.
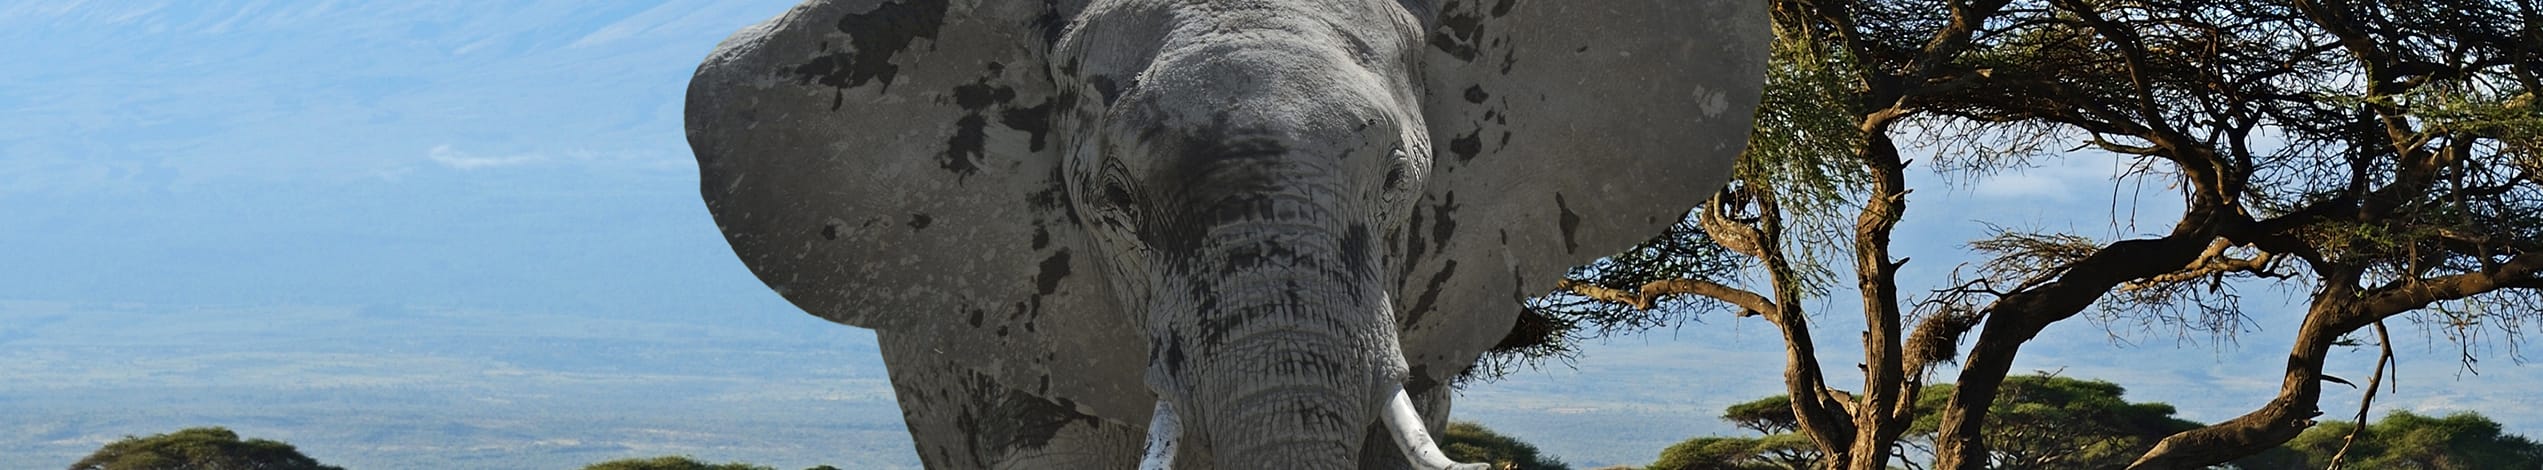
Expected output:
(2046, 421)
(2038, 421)
(2405, 440)
(1781, 448)
(1770, 415)
(673, 462)
(1714, 453)
(197, 448)
(1466, 441)
(1803, 149)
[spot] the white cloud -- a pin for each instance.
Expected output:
(449, 157)
(641, 160)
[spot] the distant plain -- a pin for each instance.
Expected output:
(389, 388)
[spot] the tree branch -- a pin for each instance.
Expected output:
(2385, 340)
(2212, 262)
(1650, 293)
(2407, 295)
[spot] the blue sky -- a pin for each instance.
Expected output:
(246, 156)
(485, 154)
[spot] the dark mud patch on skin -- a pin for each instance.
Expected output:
(1355, 251)
(1570, 224)
(1430, 294)
(965, 150)
(874, 37)
(1443, 221)
(1467, 146)
(996, 417)
(1054, 269)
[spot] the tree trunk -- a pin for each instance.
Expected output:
(1820, 416)
(1878, 419)
(1960, 444)
(2016, 318)
(2299, 394)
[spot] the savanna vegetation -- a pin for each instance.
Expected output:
(1467, 441)
(197, 448)
(213, 448)
(672, 462)
(2380, 157)
(2041, 422)
(217, 448)
(2050, 422)
(2463, 440)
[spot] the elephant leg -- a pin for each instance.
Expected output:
(962, 420)
(1378, 450)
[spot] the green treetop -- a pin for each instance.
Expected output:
(197, 448)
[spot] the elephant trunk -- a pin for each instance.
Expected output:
(1307, 381)
(1291, 422)
(1294, 350)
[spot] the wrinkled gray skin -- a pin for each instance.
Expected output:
(1266, 213)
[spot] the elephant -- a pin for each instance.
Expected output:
(1205, 234)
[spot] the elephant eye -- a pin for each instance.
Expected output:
(1398, 171)
(1397, 190)
(1115, 197)
(1395, 173)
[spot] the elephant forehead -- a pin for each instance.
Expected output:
(1364, 27)
(1212, 55)
(1233, 115)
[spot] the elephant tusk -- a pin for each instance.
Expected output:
(1164, 432)
(1410, 435)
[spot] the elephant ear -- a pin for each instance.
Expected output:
(889, 165)
(1563, 131)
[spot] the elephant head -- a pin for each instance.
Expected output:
(1255, 224)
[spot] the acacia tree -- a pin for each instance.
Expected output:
(674, 462)
(2044, 421)
(193, 448)
(2387, 149)
(2382, 153)
(2041, 422)
(1776, 452)
(1467, 441)
(2465, 441)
